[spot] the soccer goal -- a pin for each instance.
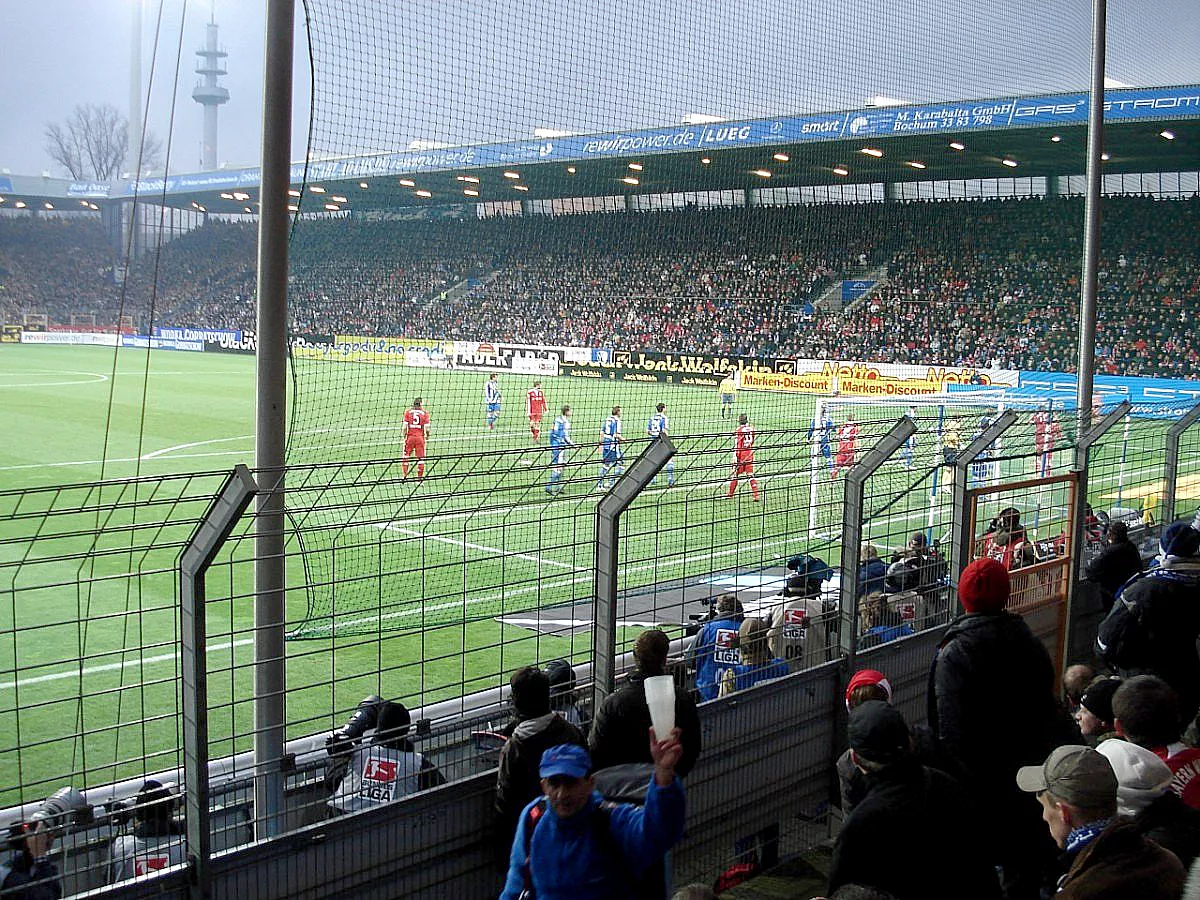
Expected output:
(946, 423)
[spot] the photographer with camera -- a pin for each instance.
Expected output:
(361, 775)
(156, 840)
(28, 873)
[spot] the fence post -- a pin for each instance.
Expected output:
(1083, 452)
(852, 530)
(1171, 470)
(960, 551)
(218, 522)
(608, 513)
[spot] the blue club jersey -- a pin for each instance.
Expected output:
(491, 394)
(610, 433)
(657, 425)
(560, 433)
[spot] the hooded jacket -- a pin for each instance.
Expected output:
(517, 780)
(1153, 627)
(567, 861)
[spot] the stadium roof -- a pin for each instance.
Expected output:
(1146, 130)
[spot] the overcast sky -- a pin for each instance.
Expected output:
(389, 72)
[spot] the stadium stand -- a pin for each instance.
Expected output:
(728, 280)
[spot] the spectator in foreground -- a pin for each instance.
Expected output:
(694, 892)
(156, 841)
(715, 649)
(1094, 715)
(571, 844)
(385, 769)
(622, 722)
(1146, 712)
(1075, 681)
(992, 707)
(908, 808)
(538, 728)
(1144, 795)
(1155, 623)
(1119, 561)
(28, 873)
(1106, 858)
(758, 664)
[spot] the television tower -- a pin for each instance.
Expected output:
(209, 94)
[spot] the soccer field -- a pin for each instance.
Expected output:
(418, 590)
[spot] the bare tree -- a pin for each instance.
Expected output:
(93, 141)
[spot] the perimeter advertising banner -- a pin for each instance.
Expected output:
(10, 334)
(671, 368)
(862, 379)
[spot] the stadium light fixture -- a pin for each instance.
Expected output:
(316, 188)
(471, 192)
(1167, 135)
(2, 199)
(48, 205)
(247, 209)
(871, 151)
(93, 207)
(225, 195)
(84, 203)
(1056, 139)
(636, 167)
(292, 207)
(333, 207)
(629, 179)
(363, 185)
(570, 170)
(241, 195)
(201, 208)
(704, 160)
(916, 164)
(407, 182)
(520, 187)
(469, 179)
(424, 194)
(782, 157)
(957, 145)
(1011, 163)
(840, 170)
(1106, 156)
(20, 204)
(763, 173)
(292, 192)
(513, 175)
(338, 198)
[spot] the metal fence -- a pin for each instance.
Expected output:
(130, 632)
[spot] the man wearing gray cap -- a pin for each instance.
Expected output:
(1106, 858)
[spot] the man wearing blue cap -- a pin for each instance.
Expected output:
(1153, 627)
(570, 843)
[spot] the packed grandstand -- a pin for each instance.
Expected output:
(986, 283)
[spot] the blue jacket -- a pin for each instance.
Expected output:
(565, 861)
(746, 676)
(715, 651)
(870, 576)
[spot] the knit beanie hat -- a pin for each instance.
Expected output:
(868, 676)
(1098, 696)
(1180, 539)
(983, 586)
(1141, 776)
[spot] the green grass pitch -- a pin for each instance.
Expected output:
(418, 573)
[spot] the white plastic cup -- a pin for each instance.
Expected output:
(660, 697)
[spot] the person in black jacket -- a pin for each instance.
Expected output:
(538, 729)
(1155, 623)
(621, 723)
(992, 706)
(1119, 561)
(28, 874)
(908, 808)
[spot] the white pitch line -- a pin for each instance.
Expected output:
(110, 667)
(532, 557)
(578, 623)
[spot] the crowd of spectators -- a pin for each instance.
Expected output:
(980, 283)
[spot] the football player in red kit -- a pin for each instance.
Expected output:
(416, 430)
(535, 407)
(743, 456)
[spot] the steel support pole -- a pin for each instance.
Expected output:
(271, 423)
(960, 530)
(632, 482)
(214, 528)
(1091, 222)
(1171, 468)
